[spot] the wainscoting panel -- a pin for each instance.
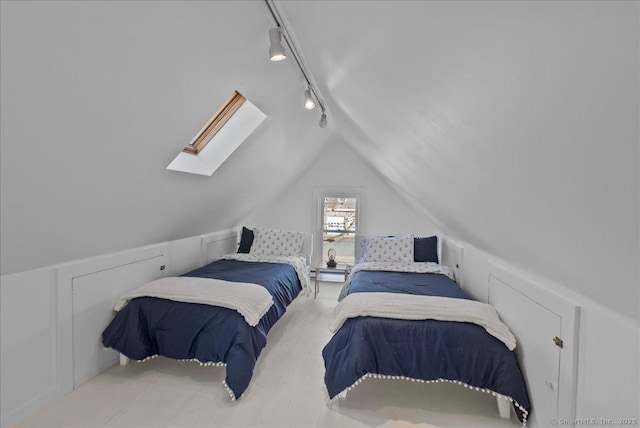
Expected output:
(452, 256)
(546, 329)
(53, 318)
(217, 244)
(94, 295)
(28, 343)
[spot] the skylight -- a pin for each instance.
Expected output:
(220, 137)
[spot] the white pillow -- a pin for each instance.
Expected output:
(362, 246)
(269, 242)
(395, 249)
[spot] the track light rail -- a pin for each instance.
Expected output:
(296, 56)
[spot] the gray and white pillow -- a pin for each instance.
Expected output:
(393, 249)
(270, 242)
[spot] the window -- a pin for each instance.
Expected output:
(338, 216)
(215, 123)
(339, 224)
(222, 134)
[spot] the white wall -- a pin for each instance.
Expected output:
(28, 342)
(513, 124)
(608, 344)
(98, 97)
(509, 125)
(608, 353)
(37, 338)
(514, 127)
(338, 166)
(608, 375)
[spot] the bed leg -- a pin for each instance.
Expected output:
(504, 406)
(124, 360)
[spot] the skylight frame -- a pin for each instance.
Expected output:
(215, 124)
(238, 127)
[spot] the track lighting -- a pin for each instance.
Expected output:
(312, 96)
(276, 50)
(323, 120)
(309, 104)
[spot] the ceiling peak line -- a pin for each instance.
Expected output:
(285, 34)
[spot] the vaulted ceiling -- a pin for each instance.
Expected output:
(513, 126)
(99, 97)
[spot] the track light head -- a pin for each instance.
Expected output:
(323, 120)
(276, 50)
(309, 103)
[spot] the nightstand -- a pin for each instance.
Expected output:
(340, 268)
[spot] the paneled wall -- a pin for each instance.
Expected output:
(608, 373)
(37, 349)
(51, 318)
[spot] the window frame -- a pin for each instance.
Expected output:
(319, 193)
(215, 124)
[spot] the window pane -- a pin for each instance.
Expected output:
(339, 228)
(342, 243)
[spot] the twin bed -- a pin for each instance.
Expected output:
(219, 314)
(407, 319)
(401, 315)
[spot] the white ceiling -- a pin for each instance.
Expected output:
(99, 97)
(513, 126)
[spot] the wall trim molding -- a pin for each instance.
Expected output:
(34, 392)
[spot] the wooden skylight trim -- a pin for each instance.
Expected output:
(215, 124)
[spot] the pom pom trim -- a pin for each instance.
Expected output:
(202, 363)
(525, 413)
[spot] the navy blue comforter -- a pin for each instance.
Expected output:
(427, 350)
(150, 326)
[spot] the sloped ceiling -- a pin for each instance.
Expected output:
(99, 97)
(512, 125)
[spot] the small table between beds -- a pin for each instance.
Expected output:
(340, 268)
